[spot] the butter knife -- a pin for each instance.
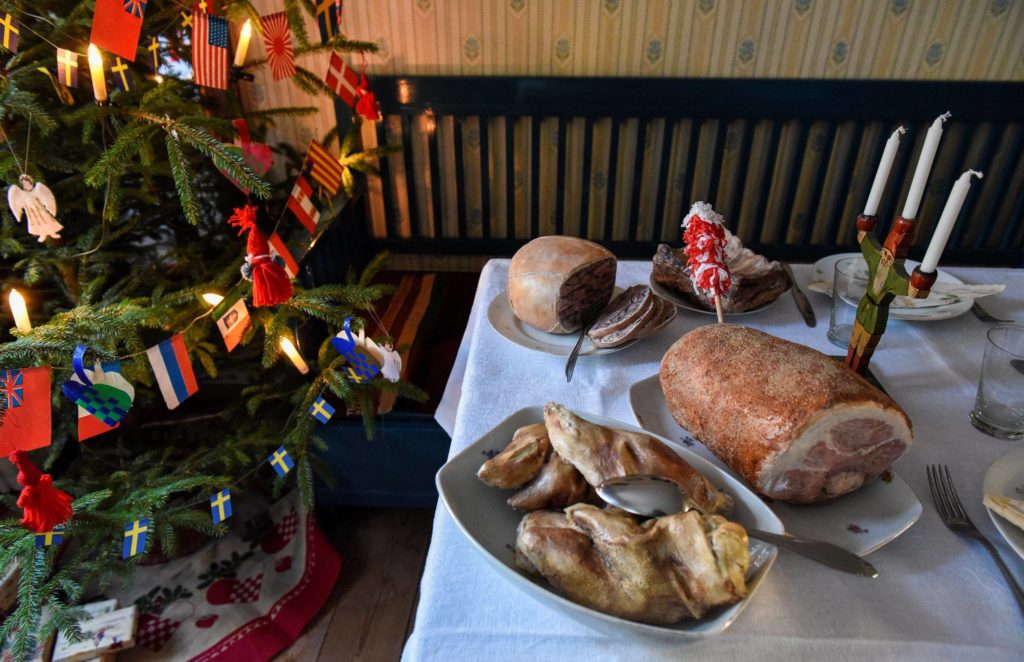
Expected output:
(801, 299)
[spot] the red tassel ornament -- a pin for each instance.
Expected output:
(43, 505)
(367, 106)
(270, 282)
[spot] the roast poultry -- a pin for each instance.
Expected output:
(660, 571)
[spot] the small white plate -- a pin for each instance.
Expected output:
(682, 302)
(824, 273)
(861, 521)
(505, 322)
(1006, 478)
(490, 525)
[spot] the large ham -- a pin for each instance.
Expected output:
(798, 425)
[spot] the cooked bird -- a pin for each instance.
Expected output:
(600, 453)
(521, 460)
(661, 571)
(557, 485)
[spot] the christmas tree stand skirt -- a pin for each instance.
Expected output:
(242, 597)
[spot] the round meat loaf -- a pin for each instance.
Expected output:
(797, 425)
(553, 280)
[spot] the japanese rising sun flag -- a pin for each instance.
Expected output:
(277, 37)
(342, 79)
(26, 420)
(116, 26)
(173, 370)
(209, 50)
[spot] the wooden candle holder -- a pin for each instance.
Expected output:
(887, 279)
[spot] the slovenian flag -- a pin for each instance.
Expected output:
(173, 370)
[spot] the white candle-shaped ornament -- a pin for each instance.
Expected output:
(19, 311)
(882, 174)
(289, 349)
(946, 221)
(243, 43)
(99, 80)
(924, 166)
(212, 298)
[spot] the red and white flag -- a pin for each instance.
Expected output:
(26, 417)
(116, 25)
(342, 80)
(277, 37)
(209, 50)
(279, 249)
(304, 205)
(324, 168)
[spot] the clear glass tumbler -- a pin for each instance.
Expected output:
(849, 284)
(999, 406)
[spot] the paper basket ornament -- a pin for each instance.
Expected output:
(105, 395)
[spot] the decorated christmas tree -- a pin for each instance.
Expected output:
(154, 362)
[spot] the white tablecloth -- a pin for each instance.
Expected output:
(939, 595)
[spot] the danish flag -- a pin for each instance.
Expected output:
(342, 80)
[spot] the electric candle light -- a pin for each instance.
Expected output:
(946, 221)
(289, 349)
(924, 166)
(882, 175)
(19, 311)
(99, 81)
(243, 43)
(212, 298)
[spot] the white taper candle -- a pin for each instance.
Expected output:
(19, 311)
(882, 174)
(946, 221)
(99, 79)
(243, 43)
(924, 166)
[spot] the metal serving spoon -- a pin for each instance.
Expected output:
(652, 496)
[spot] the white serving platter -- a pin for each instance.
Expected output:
(861, 522)
(1006, 478)
(490, 525)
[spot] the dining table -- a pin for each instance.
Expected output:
(938, 595)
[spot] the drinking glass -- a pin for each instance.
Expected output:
(999, 406)
(848, 286)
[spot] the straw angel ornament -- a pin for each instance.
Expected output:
(35, 200)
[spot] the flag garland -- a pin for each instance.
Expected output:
(321, 410)
(135, 535)
(122, 75)
(209, 50)
(50, 538)
(173, 370)
(281, 461)
(304, 204)
(277, 37)
(323, 168)
(220, 506)
(328, 19)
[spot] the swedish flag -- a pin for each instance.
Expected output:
(135, 538)
(55, 537)
(281, 461)
(220, 506)
(122, 75)
(322, 410)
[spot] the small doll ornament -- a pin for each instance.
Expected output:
(270, 282)
(367, 106)
(35, 200)
(43, 505)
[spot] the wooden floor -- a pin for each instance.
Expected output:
(371, 612)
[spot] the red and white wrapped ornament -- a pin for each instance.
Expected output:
(270, 282)
(704, 234)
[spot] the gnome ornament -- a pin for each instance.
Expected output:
(35, 200)
(270, 282)
(367, 106)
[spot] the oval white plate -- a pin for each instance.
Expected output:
(490, 525)
(1006, 478)
(861, 521)
(677, 299)
(504, 321)
(824, 272)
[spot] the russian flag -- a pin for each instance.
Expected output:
(173, 370)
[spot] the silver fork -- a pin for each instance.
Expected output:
(955, 517)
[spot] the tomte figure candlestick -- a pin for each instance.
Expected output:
(887, 279)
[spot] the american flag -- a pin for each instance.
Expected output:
(277, 36)
(324, 168)
(209, 50)
(342, 79)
